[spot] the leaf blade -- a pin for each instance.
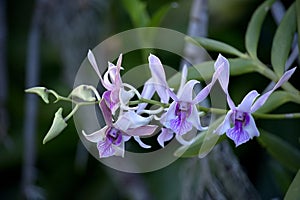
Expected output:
(254, 27)
(214, 45)
(282, 151)
(283, 40)
(294, 189)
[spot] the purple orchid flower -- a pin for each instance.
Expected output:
(182, 114)
(112, 82)
(239, 124)
(112, 137)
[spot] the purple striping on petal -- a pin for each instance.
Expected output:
(237, 133)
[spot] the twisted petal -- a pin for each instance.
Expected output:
(225, 125)
(141, 143)
(245, 105)
(147, 93)
(263, 98)
(187, 91)
(159, 78)
(165, 135)
(206, 90)
(222, 62)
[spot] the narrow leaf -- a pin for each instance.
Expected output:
(159, 15)
(294, 189)
(254, 27)
(283, 40)
(137, 12)
(210, 139)
(58, 125)
(282, 151)
(298, 21)
(202, 138)
(214, 45)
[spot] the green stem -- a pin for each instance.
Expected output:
(150, 101)
(276, 116)
(72, 112)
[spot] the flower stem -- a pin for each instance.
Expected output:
(276, 116)
(150, 101)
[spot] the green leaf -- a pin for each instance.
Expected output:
(254, 27)
(214, 45)
(57, 126)
(282, 151)
(275, 100)
(83, 92)
(203, 142)
(298, 21)
(283, 40)
(211, 138)
(294, 189)
(159, 15)
(137, 12)
(41, 91)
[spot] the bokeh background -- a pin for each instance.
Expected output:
(54, 36)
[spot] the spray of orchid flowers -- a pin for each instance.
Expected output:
(177, 112)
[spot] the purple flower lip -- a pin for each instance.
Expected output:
(114, 135)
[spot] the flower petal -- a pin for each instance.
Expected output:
(169, 115)
(206, 90)
(165, 135)
(159, 77)
(224, 77)
(105, 149)
(183, 80)
(147, 93)
(106, 112)
(96, 136)
(131, 120)
(93, 62)
(245, 105)
(263, 98)
(141, 143)
(187, 91)
(239, 136)
(251, 128)
(142, 130)
(225, 125)
(195, 120)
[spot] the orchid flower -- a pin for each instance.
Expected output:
(112, 137)
(157, 82)
(182, 114)
(239, 124)
(115, 94)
